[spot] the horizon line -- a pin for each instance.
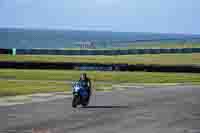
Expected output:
(98, 30)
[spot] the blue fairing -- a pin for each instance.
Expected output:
(83, 92)
(78, 89)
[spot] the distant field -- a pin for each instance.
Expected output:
(146, 45)
(160, 59)
(163, 45)
(20, 82)
(143, 45)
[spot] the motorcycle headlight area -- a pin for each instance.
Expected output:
(76, 88)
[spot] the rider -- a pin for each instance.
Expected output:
(86, 83)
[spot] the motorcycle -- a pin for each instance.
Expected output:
(80, 95)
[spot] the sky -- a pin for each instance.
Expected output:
(160, 16)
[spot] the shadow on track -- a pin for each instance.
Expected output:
(106, 107)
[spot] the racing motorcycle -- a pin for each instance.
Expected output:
(80, 95)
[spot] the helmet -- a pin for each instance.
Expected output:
(83, 75)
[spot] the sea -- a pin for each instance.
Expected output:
(56, 39)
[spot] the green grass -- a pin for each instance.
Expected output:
(37, 81)
(132, 77)
(18, 87)
(160, 59)
(12, 88)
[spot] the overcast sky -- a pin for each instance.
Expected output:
(164, 16)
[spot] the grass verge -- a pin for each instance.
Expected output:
(14, 87)
(18, 87)
(21, 82)
(159, 59)
(128, 77)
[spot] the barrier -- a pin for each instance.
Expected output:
(186, 50)
(146, 51)
(132, 51)
(100, 67)
(196, 50)
(97, 52)
(5, 51)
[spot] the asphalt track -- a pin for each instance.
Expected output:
(169, 109)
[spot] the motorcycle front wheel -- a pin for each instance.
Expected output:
(75, 101)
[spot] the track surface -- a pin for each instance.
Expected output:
(172, 109)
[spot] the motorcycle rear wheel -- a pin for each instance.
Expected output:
(85, 102)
